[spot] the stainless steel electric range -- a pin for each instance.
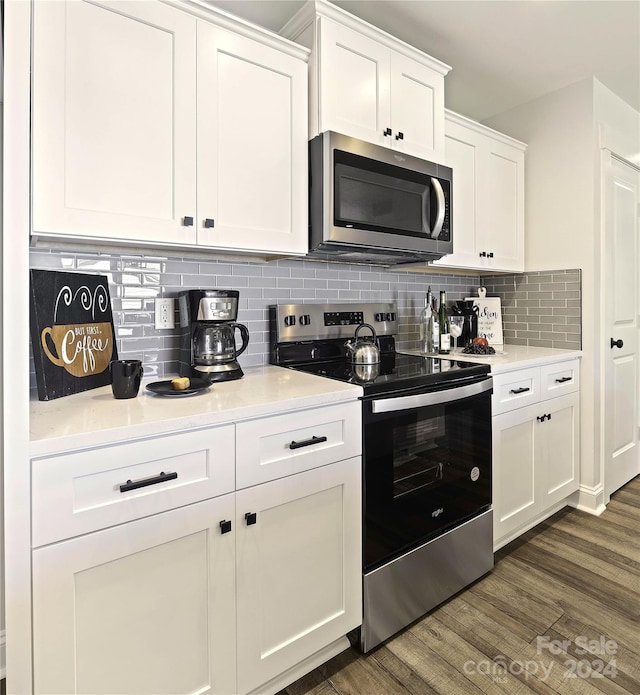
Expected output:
(427, 519)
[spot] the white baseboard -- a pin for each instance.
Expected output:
(589, 499)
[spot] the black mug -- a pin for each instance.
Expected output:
(125, 378)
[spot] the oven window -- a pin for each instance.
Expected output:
(425, 469)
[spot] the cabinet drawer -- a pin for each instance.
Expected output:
(278, 446)
(559, 378)
(91, 489)
(515, 389)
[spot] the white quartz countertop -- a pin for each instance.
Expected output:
(95, 417)
(511, 357)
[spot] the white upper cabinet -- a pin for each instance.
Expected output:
(369, 85)
(153, 126)
(488, 197)
(114, 120)
(252, 144)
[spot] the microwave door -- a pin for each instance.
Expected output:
(438, 195)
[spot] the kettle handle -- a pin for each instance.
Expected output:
(370, 327)
(244, 333)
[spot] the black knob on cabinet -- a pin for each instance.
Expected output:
(490, 254)
(187, 221)
(483, 254)
(616, 343)
(251, 518)
(400, 135)
(541, 418)
(209, 223)
(225, 526)
(387, 131)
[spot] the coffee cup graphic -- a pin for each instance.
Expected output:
(80, 349)
(78, 341)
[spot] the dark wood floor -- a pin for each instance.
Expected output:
(560, 613)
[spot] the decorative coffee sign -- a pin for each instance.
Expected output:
(72, 332)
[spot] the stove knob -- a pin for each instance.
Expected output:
(379, 317)
(305, 320)
(290, 320)
(391, 316)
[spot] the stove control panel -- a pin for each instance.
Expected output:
(295, 322)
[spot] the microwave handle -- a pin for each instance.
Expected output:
(437, 187)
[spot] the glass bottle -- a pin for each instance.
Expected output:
(443, 321)
(429, 327)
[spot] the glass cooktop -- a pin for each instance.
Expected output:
(396, 372)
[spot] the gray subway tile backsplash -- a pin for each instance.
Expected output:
(135, 281)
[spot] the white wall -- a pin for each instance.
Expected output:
(562, 219)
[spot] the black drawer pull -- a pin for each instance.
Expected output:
(225, 526)
(251, 518)
(307, 442)
(162, 478)
(187, 221)
(209, 223)
(523, 389)
(563, 379)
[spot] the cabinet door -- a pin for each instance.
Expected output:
(114, 120)
(417, 109)
(299, 568)
(488, 198)
(500, 206)
(145, 607)
(252, 145)
(559, 449)
(514, 470)
(354, 84)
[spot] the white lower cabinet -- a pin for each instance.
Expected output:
(299, 570)
(236, 591)
(535, 455)
(144, 607)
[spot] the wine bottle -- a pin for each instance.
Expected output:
(429, 327)
(443, 321)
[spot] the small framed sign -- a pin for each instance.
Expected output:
(489, 318)
(72, 333)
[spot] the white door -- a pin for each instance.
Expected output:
(144, 607)
(252, 145)
(417, 109)
(354, 85)
(620, 334)
(114, 118)
(299, 568)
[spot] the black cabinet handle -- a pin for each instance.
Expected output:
(541, 418)
(187, 221)
(616, 343)
(400, 135)
(548, 416)
(225, 526)
(387, 132)
(209, 223)
(523, 389)
(307, 442)
(251, 518)
(490, 254)
(163, 477)
(483, 254)
(563, 379)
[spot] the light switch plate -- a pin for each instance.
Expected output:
(165, 313)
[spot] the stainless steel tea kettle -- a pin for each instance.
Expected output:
(363, 350)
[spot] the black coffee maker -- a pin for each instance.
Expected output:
(207, 334)
(466, 308)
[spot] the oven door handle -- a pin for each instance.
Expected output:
(390, 405)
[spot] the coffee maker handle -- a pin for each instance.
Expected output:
(244, 333)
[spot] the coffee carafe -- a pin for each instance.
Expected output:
(208, 334)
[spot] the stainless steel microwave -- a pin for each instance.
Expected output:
(373, 204)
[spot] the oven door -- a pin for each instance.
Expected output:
(427, 465)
